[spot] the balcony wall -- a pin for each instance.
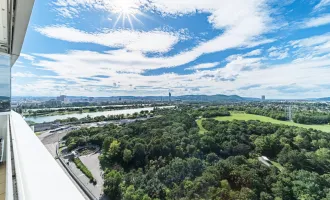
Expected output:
(38, 175)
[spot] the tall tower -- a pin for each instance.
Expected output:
(263, 97)
(169, 96)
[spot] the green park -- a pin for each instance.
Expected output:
(246, 117)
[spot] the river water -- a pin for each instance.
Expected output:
(41, 119)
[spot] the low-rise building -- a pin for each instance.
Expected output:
(46, 126)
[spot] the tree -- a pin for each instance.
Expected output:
(132, 194)
(265, 196)
(114, 149)
(167, 158)
(212, 157)
(111, 185)
(156, 189)
(139, 154)
(127, 155)
(268, 145)
(308, 185)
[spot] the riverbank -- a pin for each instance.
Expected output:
(78, 110)
(42, 119)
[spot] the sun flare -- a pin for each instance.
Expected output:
(126, 10)
(126, 7)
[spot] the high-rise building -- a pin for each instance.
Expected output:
(61, 98)
(169, 96)
(263, 97)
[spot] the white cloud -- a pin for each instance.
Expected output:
(27, 57)
(112, 61)
(203, 66)
(256, 52)
(317, 21)
(141, 62)
(313, 46)
(152, 41)
(306, 75)
(253, 53)
(249, 10)
(67, 12)
(322, 4)
(23, 75)
(236, 26)
(235, 67)
(302, 77)
(278, 53)
(125, 67)
(311, 41)
(103, 5)
(224, 15)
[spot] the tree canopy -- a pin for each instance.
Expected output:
(167, 158)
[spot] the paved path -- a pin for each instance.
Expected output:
(91, 161)
(74, 182)
(95, 189)
(93, 164)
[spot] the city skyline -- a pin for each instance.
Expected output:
(146, 48)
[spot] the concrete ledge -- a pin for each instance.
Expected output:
(39, 176)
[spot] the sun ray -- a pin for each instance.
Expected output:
(124, 20)
(117, 20)
(147, 16)
(136, 19)
(130, 21)
(128, 10)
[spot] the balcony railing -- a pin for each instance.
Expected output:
(31, 171)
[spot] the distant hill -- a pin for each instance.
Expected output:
(192, 98)
(214, 98)
(324, 99)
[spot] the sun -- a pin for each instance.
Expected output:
(126, 10)
(128, 7)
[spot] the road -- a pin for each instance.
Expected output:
(95, 189)
(91, 162)
(48, 138)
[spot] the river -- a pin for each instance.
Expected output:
(82, 107)
(41, 119)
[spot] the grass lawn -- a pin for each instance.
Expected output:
(244, 116)
(38, 133)
(201, 128)
(277, 165)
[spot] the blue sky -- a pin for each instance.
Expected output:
(150, 47)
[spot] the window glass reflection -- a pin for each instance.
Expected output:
(4, 83)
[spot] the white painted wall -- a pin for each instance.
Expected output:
(3, 131)
(39, 176)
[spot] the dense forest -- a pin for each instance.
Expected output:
(215, 113)
(167, 158)
(312, 118)
(278, 114)
(272, 111)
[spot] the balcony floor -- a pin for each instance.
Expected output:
(2, 181)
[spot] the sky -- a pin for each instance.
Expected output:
(250, 48)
